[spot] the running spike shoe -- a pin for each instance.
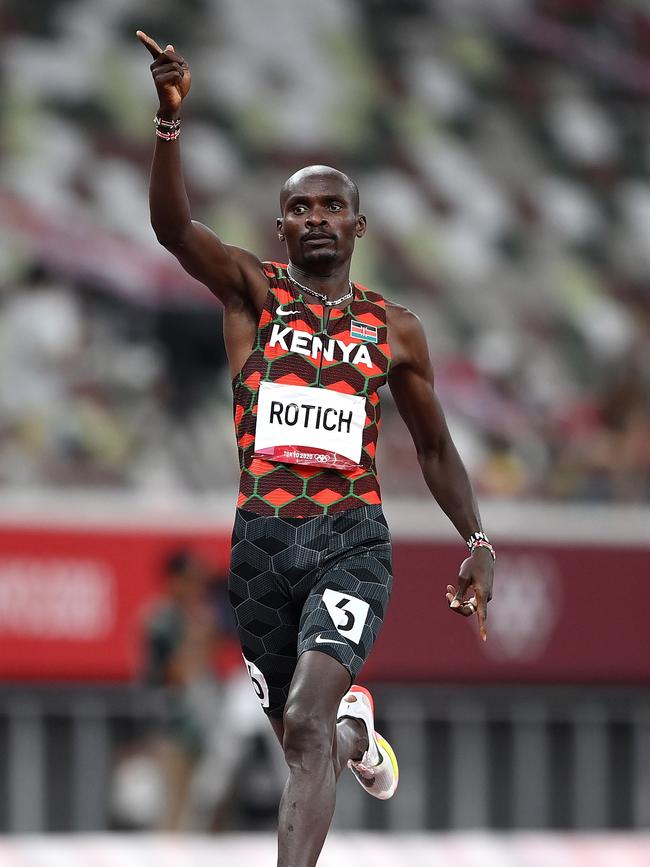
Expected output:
(377, 770)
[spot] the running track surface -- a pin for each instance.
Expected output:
(473, 849)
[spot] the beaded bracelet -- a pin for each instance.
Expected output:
(480, 540)
(168, 130)
(172, 135)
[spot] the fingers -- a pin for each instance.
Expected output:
(172, 77)
(156, 51)
(482, 614)
(150, 44)
(171, 54)
(463, 585)
(163, 65)
(476, 604)
(465, 607)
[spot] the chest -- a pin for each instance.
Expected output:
(349, 343)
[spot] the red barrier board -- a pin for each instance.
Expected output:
(560, 614)
(72, 605)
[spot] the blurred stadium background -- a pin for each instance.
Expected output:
(502, 148)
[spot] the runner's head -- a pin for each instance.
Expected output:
(320, 217)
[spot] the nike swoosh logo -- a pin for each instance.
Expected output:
(282, 312)
(321, 640)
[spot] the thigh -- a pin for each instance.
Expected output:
(345, 610)
(266, 616)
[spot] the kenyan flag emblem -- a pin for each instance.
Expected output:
(361, 331)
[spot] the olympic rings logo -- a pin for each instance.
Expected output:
(325, 459)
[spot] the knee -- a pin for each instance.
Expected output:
(306, 733)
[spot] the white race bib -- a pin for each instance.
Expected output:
(300, 424)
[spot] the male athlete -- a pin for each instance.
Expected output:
(311, 560)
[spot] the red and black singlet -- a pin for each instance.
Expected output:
(297, 346)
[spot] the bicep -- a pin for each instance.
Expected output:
(228, 272)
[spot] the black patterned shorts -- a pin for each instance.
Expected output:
(297, 584)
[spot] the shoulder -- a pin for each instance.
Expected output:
(405, 335)
(275, 270)
(401, 319)
(369, 295)
(255, 272)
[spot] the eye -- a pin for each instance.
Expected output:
(299, 209)
(335, 206)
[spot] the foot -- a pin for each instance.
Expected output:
(377, 769)
(356, 742)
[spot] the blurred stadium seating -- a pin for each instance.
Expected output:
(503, 155)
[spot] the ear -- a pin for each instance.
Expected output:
(361, 226)
(278, 224)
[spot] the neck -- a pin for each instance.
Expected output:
(333, 283)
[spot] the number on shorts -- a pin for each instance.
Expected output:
(349, 623)
(259, 682)
(348, 613)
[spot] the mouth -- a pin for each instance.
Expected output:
(317, 239)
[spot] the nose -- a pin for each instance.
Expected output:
(316, 217)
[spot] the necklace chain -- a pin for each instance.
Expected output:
(320, 295)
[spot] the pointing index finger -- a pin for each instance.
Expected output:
(150, 44)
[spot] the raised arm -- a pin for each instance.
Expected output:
(411, 383)
(234, 275)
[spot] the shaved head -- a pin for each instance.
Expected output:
(310, 173)
(320, 219)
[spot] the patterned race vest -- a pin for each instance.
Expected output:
(351, 356)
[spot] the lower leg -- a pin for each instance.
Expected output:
(316, 750)
(307, 803)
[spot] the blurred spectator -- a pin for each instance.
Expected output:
(180, 639)
(606, 452)
(41, 334)
(209, 714)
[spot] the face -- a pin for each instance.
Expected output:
(188, 587)
(319, 222)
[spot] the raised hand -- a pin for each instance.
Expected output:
(171, 74)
